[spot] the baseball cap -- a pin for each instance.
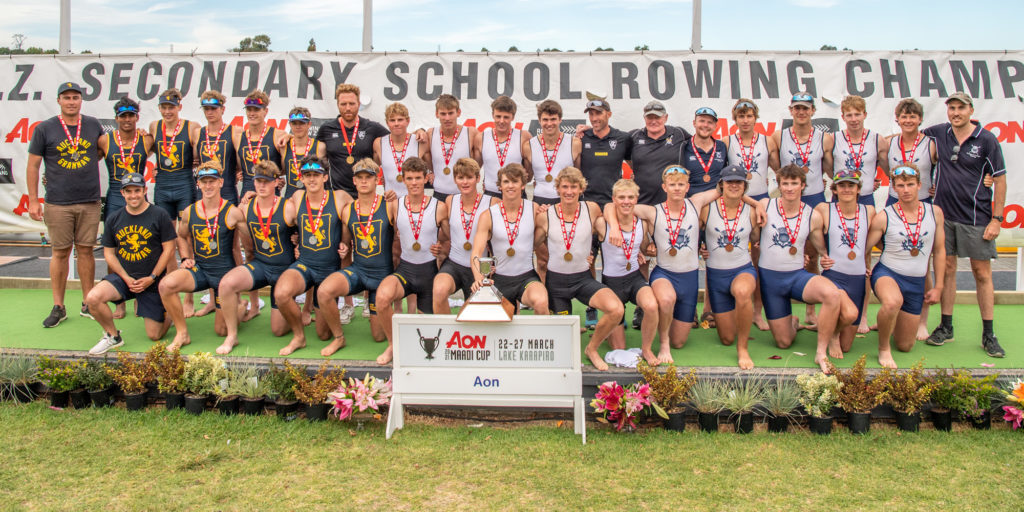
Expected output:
(962, 97)
(802, 98)
(133, 179)
(255, 102)
(655, 107)
(733, 173)
(851, 175)
(706, 111)
(312, 167)
(123, 110)
(168, 99)
(298, 117)
(598, 104)
(261, 173)
(211, 102)
(363, 167)
(208, 172)
(69, 86)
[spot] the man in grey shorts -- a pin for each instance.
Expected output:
(974, 213)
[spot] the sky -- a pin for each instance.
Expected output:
(154, 26)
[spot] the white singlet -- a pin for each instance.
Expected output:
(427, 235)
(615, 261)
(388, 162)
(789, 154)
(776, 242)
(920, 156)
(687, 239)
(563, 158)
(580, 248)
(457, 229)
(897, 243)
(492, 163)
(759, 170)
(844, 157)
(838, 241)
(716, 238)
(522, 261)
(445, 183)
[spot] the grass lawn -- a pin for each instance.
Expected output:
(158, 460)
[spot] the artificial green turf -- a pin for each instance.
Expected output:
(24, 311)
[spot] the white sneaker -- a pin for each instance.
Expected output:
(346, 314)
(106, 343)
(366, 311)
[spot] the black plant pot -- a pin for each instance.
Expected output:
(228, 405)
(79, 398)
(101, 398)
(174, 400)
(317, 412)
(252, 406)
(708, 421)
(286, 408)
(983, 422)
(744, 423)
(859, 422)
(135, 402)
(60, 399)
(195, 404)
(24, 393)
(778, 423)
(908, 422)
(676, 421)
(822, 426)
(942, 420)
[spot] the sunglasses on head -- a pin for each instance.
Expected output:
(298, 118)
(254, 102)
(744, 104)
(311, 166)
(901, 170)
(803, 97)
(126, 109)
(676, 169)
(211, 102)
(705, 111)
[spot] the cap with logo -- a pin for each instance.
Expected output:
(597, 104)
(68, 86)
(169, 99)
(133, 179)
(803, 98)
(263, 173)
(655, 108)
(733, 173)
(962, 97)
(850, 175)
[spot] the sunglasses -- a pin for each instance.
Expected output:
(211, 102)
(956, 153)
(596, 103)
(254, 102)
(901, 170)
(311, 166)
(676, 169)
(298, 118)
(705, 111)
(803, 97)
(125, 110)
(744, 104)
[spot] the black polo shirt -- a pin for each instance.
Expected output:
(959, 190)
(601, 162)
(337, 153)
(651, 156)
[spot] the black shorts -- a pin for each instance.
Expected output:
(265, 275)
(512, 287)
(462, 276)
(440, 196)
(148, 301)
(418, 278)
(626, 287)
(562, 288)
(546, 200)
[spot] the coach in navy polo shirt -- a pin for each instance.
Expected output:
(604, 150)
(655, 147)
(704, 156)
(966, 153)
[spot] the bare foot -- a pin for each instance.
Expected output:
(922, 332)
(885, 359)
(384, 358)
(180, 340)
(810, 327)
(229, 343)
(761, 323)
(337, 344)
(189, 308)
(120, 311)
(595, 359)
(873, 327)
(834, 350)
(744, 359)
(296, 343)
(650, 357)
(306, 318)
(252, 311)
(822, 361)
(207, 309)
(796, 324)
(665, 355)
(810, 319)
(863, 328)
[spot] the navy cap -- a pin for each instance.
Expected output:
(133, 179)
(362, 167)
(168, 99)
(211, 102)
(69, 86)
(123, 110)
(733, 173)
(312, 167)
(261, 173)
(850, 175)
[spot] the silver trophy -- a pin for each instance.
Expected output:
(485, 305)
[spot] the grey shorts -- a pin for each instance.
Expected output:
(965, 241)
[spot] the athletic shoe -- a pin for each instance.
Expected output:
(346, 314)
(57, 315)
(991, 345)
(85, 312)
(106, 343)
(591, 321)
(366, 311)
(940, 336)
(638, 318)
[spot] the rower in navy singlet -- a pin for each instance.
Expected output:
(258, 141)
(124, 151)
(174, 139)
(216, 142)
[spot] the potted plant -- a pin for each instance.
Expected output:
(669, 391)
(1013, 408)
(60, 377)
(17, 372)
(168, 367)
(97, 382)
(857, 395)
(281, 390)
(202, 374)
(79, 396)
(818, 396)
(131, 375)
(312, 390)
(369, 393)
(979, 404)
(952, 392)
(620, 405)
(780, 400)
(251, 388)
(706, 395)
(906, 392)
(741, 399)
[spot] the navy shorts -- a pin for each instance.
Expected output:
(418, 278)
(626, 287)
(148, 301)
(265, 275)
(114, 202)
(311, 276)
(719, 286)
(912, 288)
(360, 281)
(513, 287)
(461, 275)
(855, 287)
(889, 201)
(813, 200)
(685, 285)
(205, 280)
(174, 200)
(779, 288)
(563, 288)
(759, 197)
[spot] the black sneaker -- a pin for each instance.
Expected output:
(591, 319)
(85, 312)
(57, 315)
(991, 345)
(940, 336)
(638, 318)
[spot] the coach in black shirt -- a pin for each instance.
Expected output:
(604, 150)
(655, 147)
(348, 138)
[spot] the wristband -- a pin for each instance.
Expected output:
(152, 276)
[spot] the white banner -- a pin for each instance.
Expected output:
(684, 81)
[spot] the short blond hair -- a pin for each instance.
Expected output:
(466, 167)
(346, 89)
(268, 166)
(853, 102)
(571, 175)
(625, 185)
(395, 110)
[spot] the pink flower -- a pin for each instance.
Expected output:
(1014, 415)
(343, 408)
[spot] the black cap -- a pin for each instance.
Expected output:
(133, 179)
(262, 173)
(168, 99)
(733, 173)
(69, 86)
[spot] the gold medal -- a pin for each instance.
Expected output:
(672, 251)
(467, 246)
(399, 178)
(629, 265)
(568, 256)
(511, 251)
(914, 252)
(728, 247)
(447, 170)
(416, 246)
(792, 250)
(707, 178)
(852, 255)
(549, 178)
(350, 160)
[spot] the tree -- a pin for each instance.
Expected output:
(513, 49)
(827, 48)
(312, 45)
(599, 49)
(643, 48)
(484, 50)
(259, 43)
(552, 50)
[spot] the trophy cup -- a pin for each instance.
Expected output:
(486, 304)
(429, 345)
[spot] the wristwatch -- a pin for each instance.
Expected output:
(998, 217)
(152, 276)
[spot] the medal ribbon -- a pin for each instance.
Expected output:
(467, 227)
(210, 230)
(344, 133)
(730, 233)
(548, 164)
(627, 249)
(572, 231)
(265, 230)
(296, 155)
(399, 159)
(416, 227)
(314, 223)
(502, 152)
(511, 233)
(120, 147)
(804, 155)
(163, 135)
(711, 158)
(917, 138)
(78, 133)
(364, 227)
(210, 153)
(785, 220)
(748, 160)
(856, 227)
(673, 232)
(447, 153)
(254, 157)
(917, 229)
(858, 158)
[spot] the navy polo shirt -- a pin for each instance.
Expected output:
(651, 156)
(959, 190)
(601, 162)
(716, 163)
